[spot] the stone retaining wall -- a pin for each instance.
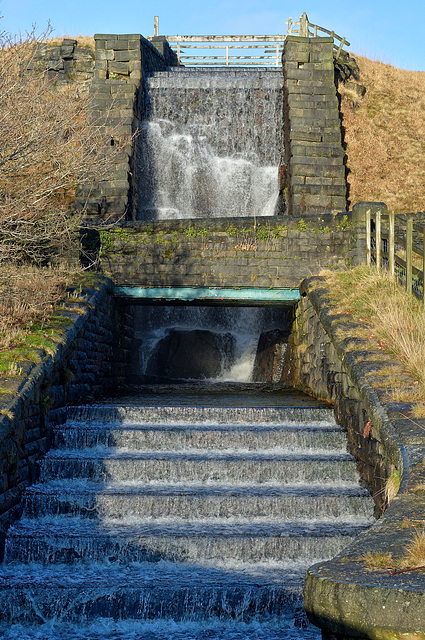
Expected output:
(347, 597)
(84, 364)
(268, 252)
(328, 362)
(66, 63)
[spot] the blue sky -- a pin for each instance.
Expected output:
(389, 31)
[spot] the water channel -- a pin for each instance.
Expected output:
(190, 505)
(183, 509)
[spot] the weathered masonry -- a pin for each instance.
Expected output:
(139, 235)
(218, 241)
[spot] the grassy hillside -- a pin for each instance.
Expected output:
(385, 136)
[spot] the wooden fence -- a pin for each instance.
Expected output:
(228, 51)
(307, 29)
(248, 51)
(397, 242)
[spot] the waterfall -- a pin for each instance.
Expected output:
(211, 145)
(175, 517)
(216, 343)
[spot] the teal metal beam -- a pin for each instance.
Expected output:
(198, 295)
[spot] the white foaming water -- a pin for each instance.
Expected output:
(244, 324)
(241, 370)
(185, 178)
(107, 629)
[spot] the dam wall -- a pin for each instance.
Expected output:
(202, 143)
(270, 252)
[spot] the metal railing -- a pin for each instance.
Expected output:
(249, 51)
(397, 242)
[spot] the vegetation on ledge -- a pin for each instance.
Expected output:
(390, 319)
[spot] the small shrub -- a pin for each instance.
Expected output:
(378, 559)
(231, 231)
(190, 232)
(392, 485)
(262, 233)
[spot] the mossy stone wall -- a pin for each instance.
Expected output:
(266, 252)
(83, 364)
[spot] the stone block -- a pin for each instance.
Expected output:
(135, 65)
(122, 55)
(120, 68)
(310, 75)
(297, 55)
(100, 74)
(117, 45)
(134, 44)
(105, 54)
(338, 203)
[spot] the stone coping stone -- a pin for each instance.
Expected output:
(335, 223)
(345, 597)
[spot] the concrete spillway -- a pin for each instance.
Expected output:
(179, 520)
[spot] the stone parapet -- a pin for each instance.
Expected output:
(314, 156)
(267, 252)
(347, 597)
(85, 363)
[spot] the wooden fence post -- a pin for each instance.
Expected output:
(391, 242)
(378, 239)
(409, 252)
(289, 29)
(304, 25)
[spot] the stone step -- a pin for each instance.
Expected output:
(115, 414)
(105, 465)
(219, 437)
(74, 540)
(108, 629)
(94, 500)
(169, 591)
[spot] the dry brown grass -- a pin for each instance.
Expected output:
(27, 296)
(385, 137)
(85, 42)
(393, 320)
(414, 555)
(392, 486)
(378, 560)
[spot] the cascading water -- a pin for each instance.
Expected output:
(192, 515)
(211, 144)
(191, 520)
(216, 343)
